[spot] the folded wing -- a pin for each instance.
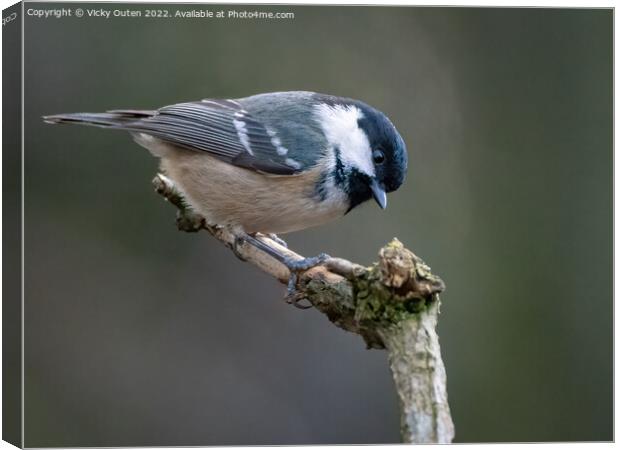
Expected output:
(221, 128)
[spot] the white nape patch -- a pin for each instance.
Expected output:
(339, 123)
(242, 132)
(291, 162)
(277, 143)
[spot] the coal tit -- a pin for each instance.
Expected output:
(270, 163)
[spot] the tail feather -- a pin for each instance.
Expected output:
(120, 119)
(112, 119)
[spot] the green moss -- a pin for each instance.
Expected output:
(377, 303)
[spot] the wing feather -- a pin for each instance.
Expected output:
(273, 137)
(219, 127)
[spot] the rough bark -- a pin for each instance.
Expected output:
(392, 304)
(420, 378)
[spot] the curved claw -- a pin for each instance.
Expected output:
(295, 266)
(292, 296)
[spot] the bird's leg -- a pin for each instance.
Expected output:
(294, 265)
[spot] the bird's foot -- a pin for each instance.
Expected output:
(299, 265)
(295, 267)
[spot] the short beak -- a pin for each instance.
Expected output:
(378, 193)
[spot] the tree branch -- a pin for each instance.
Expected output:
(392, 304)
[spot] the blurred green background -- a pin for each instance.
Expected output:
(137, 334)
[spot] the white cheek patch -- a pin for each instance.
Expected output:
(339, 123)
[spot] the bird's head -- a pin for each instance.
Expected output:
(369, 155)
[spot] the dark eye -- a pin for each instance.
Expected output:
(378, 157)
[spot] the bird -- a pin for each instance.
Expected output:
(270, 163)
